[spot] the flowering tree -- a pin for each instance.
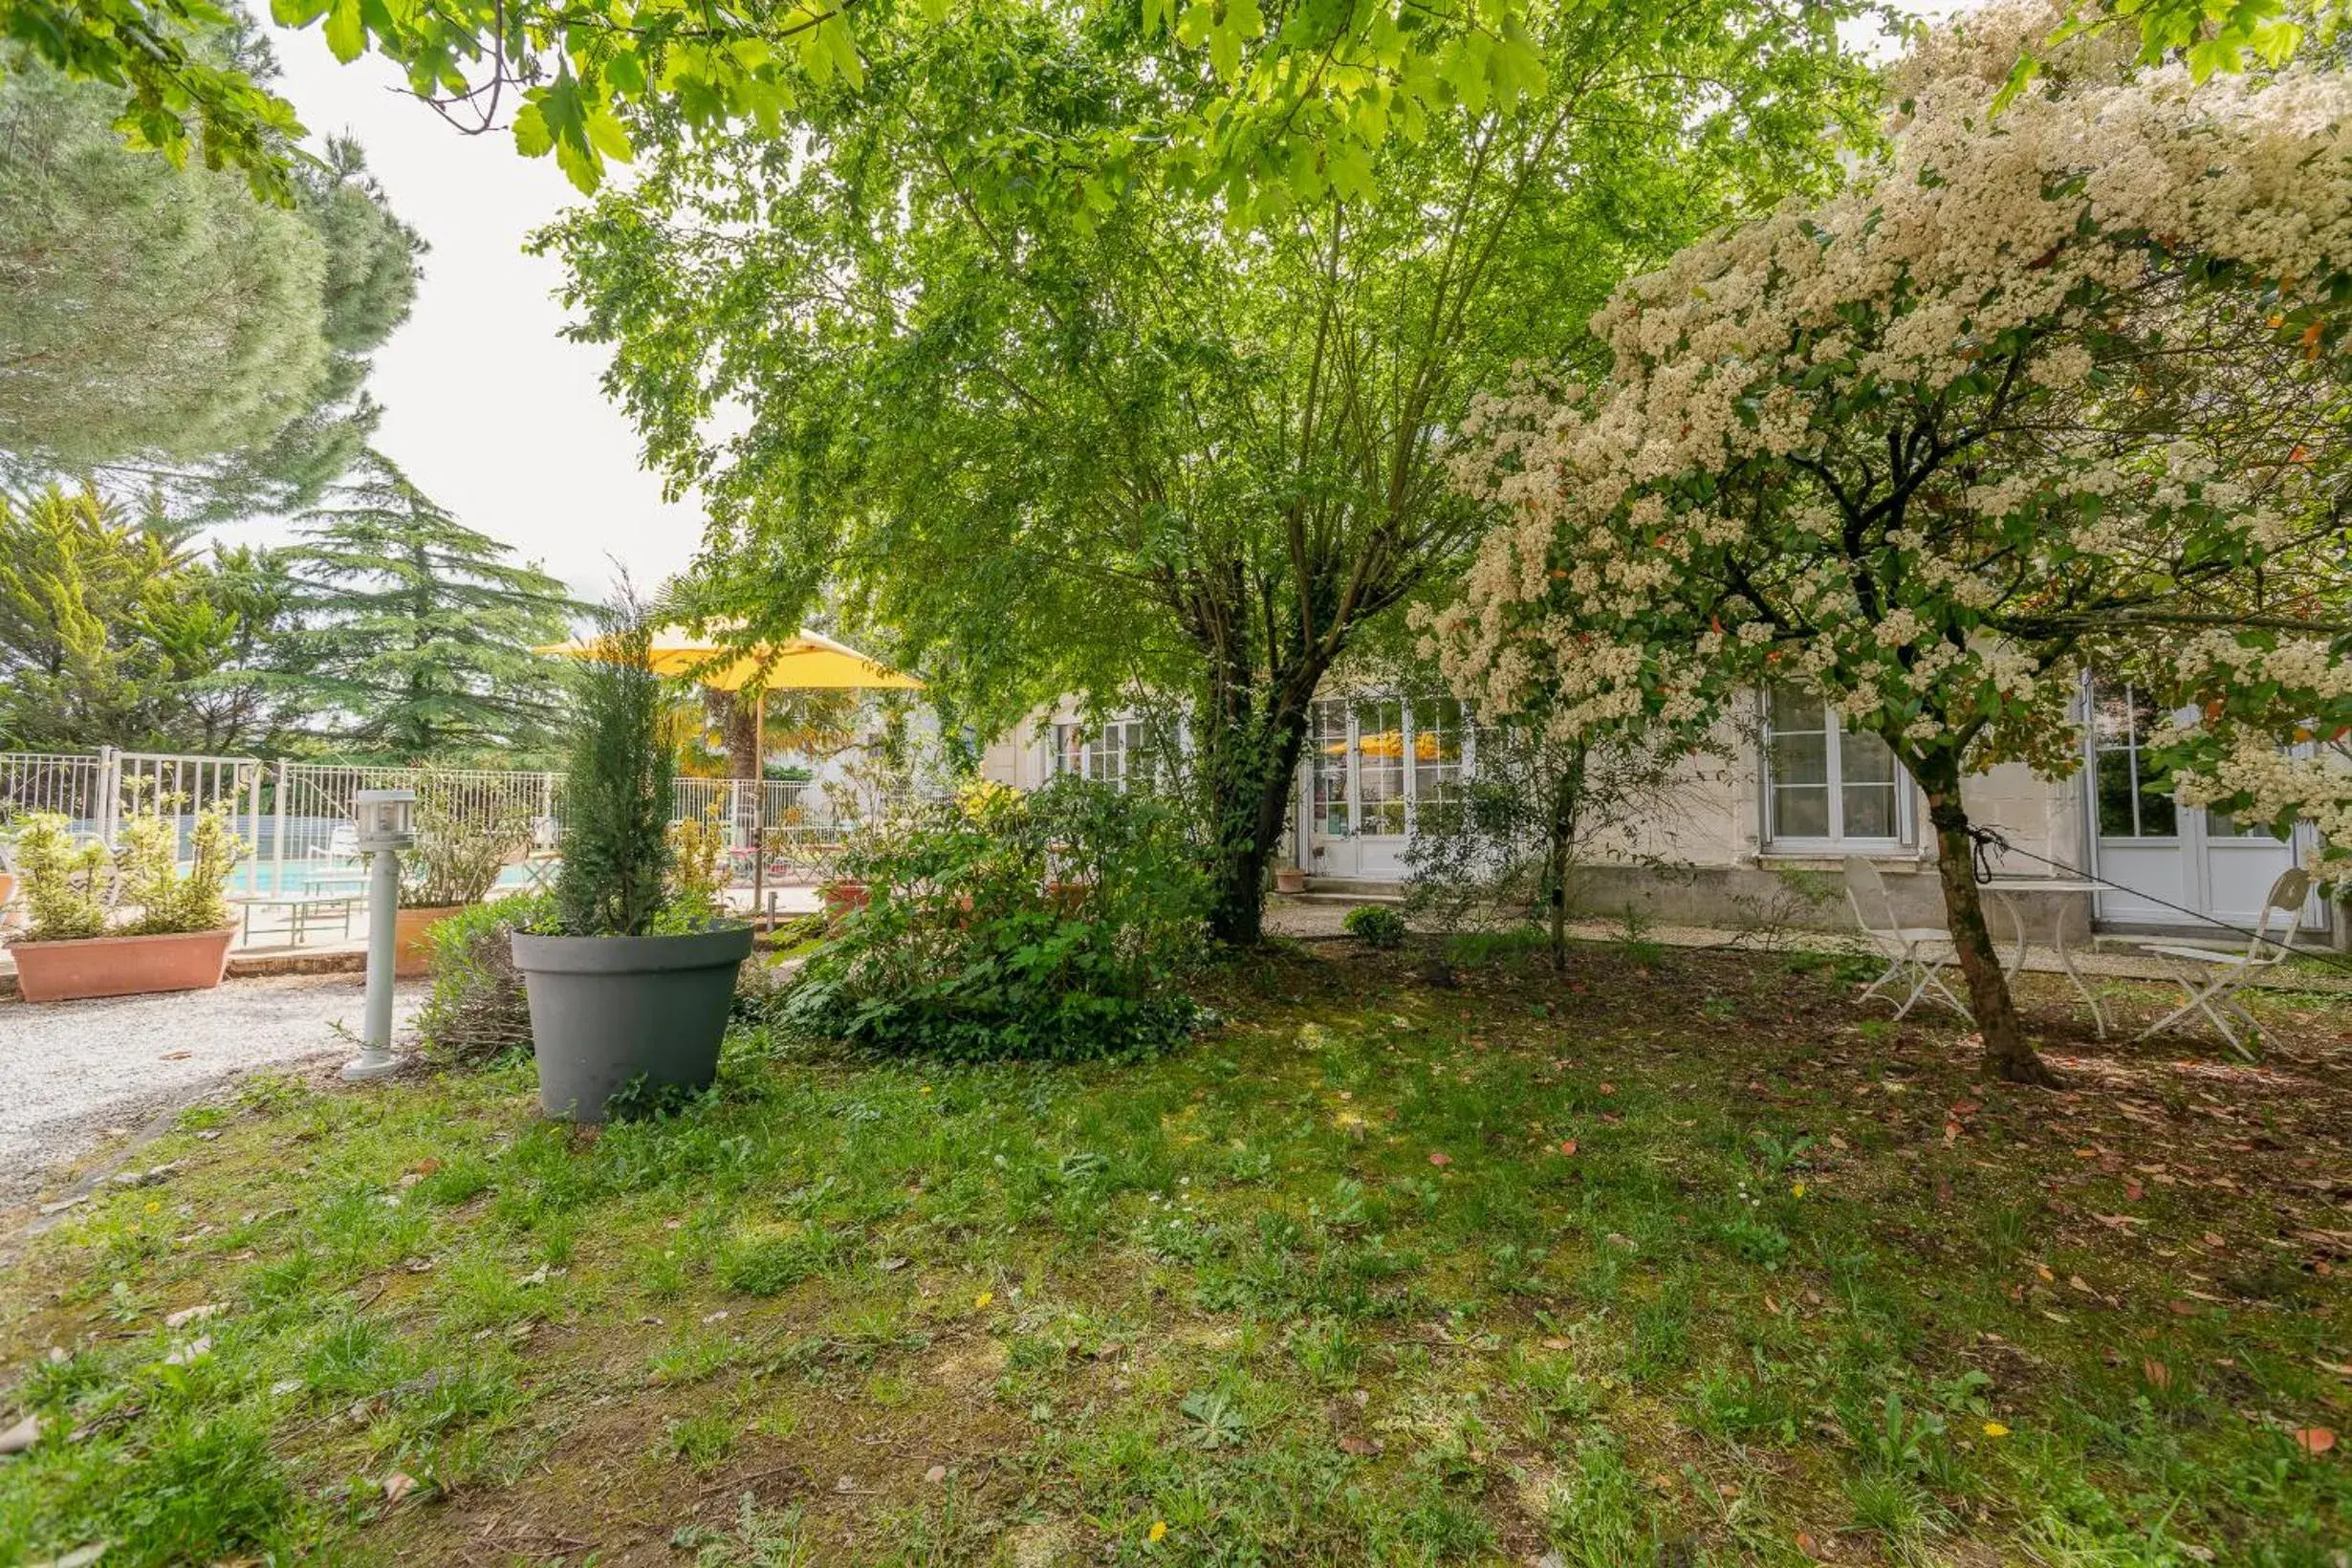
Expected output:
(2038, 394)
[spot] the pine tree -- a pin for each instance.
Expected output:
(81, 589)
(164, 333)
(418, 630)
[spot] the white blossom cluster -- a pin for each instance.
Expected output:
(1938, 443)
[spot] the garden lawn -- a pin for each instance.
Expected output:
(1684, 1258)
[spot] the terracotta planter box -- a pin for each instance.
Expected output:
(1290, 879)
(842, 897)
(120, 966)
(412, 937)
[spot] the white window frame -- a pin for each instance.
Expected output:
(1350, 770)
(1836, 842)
(1075, 748)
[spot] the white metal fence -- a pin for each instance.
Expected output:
(97, 791)
(295, 816)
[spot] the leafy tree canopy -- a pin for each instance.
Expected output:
(417, 630)
(1286, 90)
(1064, 423)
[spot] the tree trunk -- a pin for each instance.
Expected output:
(1567, 799)
(1250, 767)
(735, 715)
(2007, 1054)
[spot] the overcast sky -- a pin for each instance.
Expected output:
(497, 417)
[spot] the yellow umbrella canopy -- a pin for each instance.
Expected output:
(809, 662)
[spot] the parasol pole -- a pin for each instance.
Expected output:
(759, 798)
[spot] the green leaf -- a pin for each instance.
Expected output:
(1224, 52)
(607, 134)
(626, 73)
(532, 136)
(345, 35)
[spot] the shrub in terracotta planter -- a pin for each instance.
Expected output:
(464, 835)
(842, 895)
(121, 922)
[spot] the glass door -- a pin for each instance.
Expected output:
(1369, 763)
(2177, 862)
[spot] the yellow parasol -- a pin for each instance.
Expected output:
(809, 662)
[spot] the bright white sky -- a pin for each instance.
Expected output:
(489, 410)
(493, 414)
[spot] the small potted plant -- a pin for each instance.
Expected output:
(464, 840)
(632, 988)
(121, 921)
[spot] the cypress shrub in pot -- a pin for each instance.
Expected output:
(632, 988)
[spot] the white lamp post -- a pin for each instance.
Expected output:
(384, 819)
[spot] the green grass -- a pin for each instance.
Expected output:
(1323, 1287)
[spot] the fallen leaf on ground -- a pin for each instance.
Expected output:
(190, 1314)
(2315, 1440)
(21, 1436)
(1439, 1157)
(1358, 1446)
(936, 1473)
(397, 1484)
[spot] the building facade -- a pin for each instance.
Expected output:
(1760, 829)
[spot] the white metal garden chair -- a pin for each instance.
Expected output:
(1915, 954)
(2210, 979)
(341, 848)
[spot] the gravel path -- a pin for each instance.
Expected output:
(69, 1070)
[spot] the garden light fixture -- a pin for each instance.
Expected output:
(384, 821)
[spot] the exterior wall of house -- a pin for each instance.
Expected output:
(1704, 858)
(1703, 852)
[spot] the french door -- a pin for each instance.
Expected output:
(1370, 763)
(2178, 863)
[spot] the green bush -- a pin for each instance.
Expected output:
(1050, 924)
(138, 888)
(1375, 924)
(476, 1010)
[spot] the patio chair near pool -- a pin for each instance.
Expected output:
(341, 848)
(1914, 954)
(2210, 979)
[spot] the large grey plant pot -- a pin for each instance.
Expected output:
(607, 1008)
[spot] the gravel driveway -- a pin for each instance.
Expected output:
(69, 1070)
